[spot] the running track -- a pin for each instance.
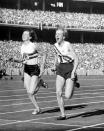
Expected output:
(85, 111)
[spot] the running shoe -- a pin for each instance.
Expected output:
(42, 83)
(61, 118)
(36, 112)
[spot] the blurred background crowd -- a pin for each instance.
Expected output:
(91, 57)
(85, 31)
(52, 19)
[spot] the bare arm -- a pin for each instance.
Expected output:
(55, 57)
(75, 58)
(42, 66)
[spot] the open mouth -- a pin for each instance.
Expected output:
(57, 39)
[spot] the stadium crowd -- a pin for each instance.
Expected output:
(91, 57)
(52, 19)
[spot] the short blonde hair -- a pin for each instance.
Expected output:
(65, 33)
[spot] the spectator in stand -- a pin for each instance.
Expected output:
(53, 19)
(91, 56)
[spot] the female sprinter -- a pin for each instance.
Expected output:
(32, 71)
(65, 70)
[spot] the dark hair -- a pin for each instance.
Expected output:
(32, 34)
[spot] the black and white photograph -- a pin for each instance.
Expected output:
(51, 65)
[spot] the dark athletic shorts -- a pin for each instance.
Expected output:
(64, 70)
(32, 70)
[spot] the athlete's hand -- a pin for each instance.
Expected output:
(41, 71)
(73, 75)
(25, 56)
(24, 61)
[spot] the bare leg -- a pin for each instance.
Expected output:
(69, 88)
(33, 90)
(30, 84)
(59, 87)
(27, 79)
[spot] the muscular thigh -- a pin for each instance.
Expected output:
(27, 79)
(33, 83)
(69, 88)
(60, 81)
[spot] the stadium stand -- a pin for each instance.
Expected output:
(91, 60)
(91, 57)
(52, 19)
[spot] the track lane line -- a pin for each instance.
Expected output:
(55, 96)
(88, 103)
(41, 118)
(55, 93)
(90, 126)
(49, 88)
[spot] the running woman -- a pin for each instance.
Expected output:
(32, 71)
(66, 66)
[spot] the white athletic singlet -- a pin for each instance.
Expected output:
(64, 51)
(29, 49)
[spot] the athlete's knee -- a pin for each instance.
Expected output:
(68, 95)
(59, 94)
(31, 92)
(69, 91)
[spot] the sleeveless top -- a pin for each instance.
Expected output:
(63, 53)
(29, 53)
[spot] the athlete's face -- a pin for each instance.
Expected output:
(59, 36)
(25, 36)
